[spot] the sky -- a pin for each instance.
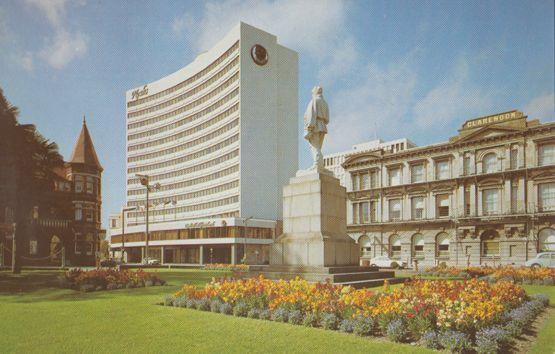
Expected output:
(390, 69)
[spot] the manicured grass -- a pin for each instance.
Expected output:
(38, 317)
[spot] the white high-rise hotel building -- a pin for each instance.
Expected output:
(220, 137)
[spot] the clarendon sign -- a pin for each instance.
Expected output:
(496, 118)
(135, 95)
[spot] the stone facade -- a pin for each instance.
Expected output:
(314, 224)
(487, 196)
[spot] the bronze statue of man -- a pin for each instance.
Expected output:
(316, 119)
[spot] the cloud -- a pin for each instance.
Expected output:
(377, 100)
(64, 45)
(64, 48)
(542, 107)
(308, 26)
(454, 98)
(27, 62)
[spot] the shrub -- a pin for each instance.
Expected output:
(265, 314)
(514, 328)
(456, 342)
(295, 317)
(419, 324)
(253, 313)
(430, 339)
(544, 299)
(215, 305)
(87, 288)
(168, 300)
(346, 326)
(384, 320)
(180, 301)
(363, 326)
(240, 309)
(329, 321)
(397, 331)
(191, 304)
(280, 315)
(226, 309)
(203, 305)
(310, 319)
(491, 339)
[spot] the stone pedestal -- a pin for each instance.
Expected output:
(314, 224)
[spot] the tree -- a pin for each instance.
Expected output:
(32, 158)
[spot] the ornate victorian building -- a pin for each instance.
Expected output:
(487, 196)
(64, 227)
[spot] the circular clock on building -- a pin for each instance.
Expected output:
(259, 54)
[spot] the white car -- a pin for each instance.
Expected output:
(543, 259)
(151, 261)
(386, 262)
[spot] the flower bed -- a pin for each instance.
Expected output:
(539, 276)
(107, 279)
(455, 315)
(229, 267)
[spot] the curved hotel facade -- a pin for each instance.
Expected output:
(217, 141)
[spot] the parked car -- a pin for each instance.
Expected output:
(110, 263)
(386, 262)
(543, 259)
(151, 261)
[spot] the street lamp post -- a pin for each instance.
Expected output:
(245, 220)
(123, 211)
(145, 182)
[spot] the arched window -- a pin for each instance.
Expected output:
(442, 245)
(395, 246)
(418, 246)
(55, 247)
(546, 239)
(490, 243)
(365, 246)
(489, 163)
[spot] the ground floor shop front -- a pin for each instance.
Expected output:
(464, 243)
(226, 252)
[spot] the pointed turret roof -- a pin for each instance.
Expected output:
(83, 151)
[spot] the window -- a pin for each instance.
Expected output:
(417, 207)
(114, 223)
(466, 166)
(90, 185)
(364, 181)
(417, 173)
(442, 169)
(546, 154)
(355, 213)
(78, 243)
(514, 158)
(364, 212)
(395, 246)
(546, 239)
(373, 179)
(78, 180)
(490, 244)
(394, 209)
(490, 201)
(394, 176)
(33, 247)
(442, 205)
(78, 212)
(514, 196)
(442, 244)
(546, 196)
(89, 214)
(418, 246)
(489, 163)
(355, 182)
(467, 202)
(365, 247)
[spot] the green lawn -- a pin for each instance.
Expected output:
(35, 316)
